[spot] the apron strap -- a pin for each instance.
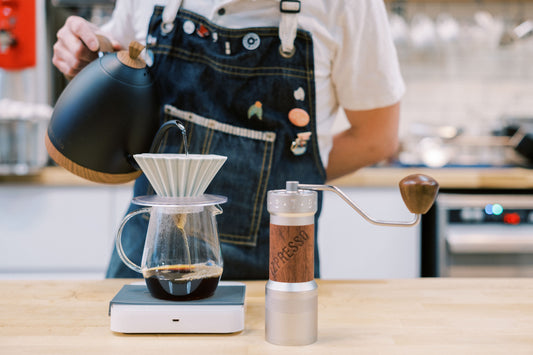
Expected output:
(287, 28)
(289, 24)
(169, 14)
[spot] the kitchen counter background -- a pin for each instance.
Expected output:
(57, 225)
(470, 82)
(464, 78)
(453, 178)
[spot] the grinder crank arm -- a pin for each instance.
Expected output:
(418, 193)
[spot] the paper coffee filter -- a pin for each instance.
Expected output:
(180, 175)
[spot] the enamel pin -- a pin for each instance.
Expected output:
(256, 110)
(299, 145)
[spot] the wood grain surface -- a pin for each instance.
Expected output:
(292, 253)
(414, 316)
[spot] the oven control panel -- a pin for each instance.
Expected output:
(491, 213)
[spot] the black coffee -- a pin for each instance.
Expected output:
(183, 282)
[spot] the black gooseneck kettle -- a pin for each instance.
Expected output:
(105, 115)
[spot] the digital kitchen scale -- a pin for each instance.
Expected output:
(134, 310)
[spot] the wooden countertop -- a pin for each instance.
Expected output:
(461, 178)
(49, 176)
(414, 316)
(452, 178)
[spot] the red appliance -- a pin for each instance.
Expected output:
(17, 34)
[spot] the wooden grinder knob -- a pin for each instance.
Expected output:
(418, 192)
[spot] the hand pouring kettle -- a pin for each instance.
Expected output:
(107, 113)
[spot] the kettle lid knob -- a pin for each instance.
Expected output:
(131, 56)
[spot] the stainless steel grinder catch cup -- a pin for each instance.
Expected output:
(291, 300)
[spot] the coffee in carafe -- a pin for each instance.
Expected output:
(183, 282)
(181, 258)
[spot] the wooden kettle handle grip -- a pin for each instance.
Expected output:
(418, 192)
(104, 44)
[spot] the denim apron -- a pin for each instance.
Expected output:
(234, 91)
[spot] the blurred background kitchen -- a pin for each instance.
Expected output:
(467, 120)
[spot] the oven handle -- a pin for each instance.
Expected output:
(489, 244)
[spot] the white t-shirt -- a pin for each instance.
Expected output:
(356, 65)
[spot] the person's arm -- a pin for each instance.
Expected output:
(372, 137)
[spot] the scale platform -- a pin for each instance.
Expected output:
(134, 310)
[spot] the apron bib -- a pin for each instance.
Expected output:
(240, 95)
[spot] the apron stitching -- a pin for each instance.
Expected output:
(257, 220)
(256, 71)
(206, 139)
(256, 223)
(211, 134)
(266, 176)
(267, 136)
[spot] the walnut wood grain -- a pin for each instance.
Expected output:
(418, 192)
(83, 172)
(291, 253)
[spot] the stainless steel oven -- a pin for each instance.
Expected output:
(484, 235)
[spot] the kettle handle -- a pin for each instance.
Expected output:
(118, 240)
(104, 44)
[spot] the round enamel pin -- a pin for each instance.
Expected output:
(188, 27)
(251, 41)
(298, 117)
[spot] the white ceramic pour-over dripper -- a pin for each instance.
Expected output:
(180, 175)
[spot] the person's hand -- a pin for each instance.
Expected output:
(77, 45)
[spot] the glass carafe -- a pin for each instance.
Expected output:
(181, 258)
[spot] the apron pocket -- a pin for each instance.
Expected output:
(243, 178)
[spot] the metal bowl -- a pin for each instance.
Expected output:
(22, 130)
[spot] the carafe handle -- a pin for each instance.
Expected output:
(216, 210)
(118, 239)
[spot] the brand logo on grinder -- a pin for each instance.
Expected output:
(288, 251)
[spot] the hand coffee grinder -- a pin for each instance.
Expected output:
(291, 302)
